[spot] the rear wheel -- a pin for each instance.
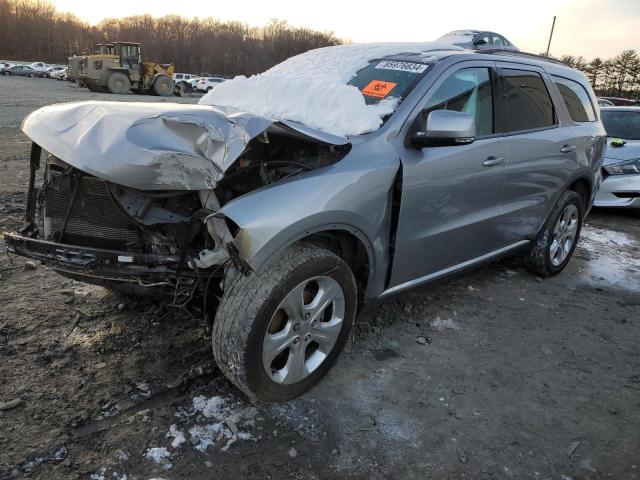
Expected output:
(162, 86)
(556, 242)
(118, 82)
(277, 333)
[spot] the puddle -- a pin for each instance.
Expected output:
(613, 258)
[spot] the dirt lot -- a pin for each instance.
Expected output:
(518, 377)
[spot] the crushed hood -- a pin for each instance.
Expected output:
(153, 146)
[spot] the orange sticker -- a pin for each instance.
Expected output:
(378, 88)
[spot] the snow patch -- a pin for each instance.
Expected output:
(177, 435)
(439, 324)
(159, 455)
(311, 88)
(226, 422)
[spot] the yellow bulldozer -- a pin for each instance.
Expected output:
(118, 67)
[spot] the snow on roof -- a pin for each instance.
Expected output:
(311, 88)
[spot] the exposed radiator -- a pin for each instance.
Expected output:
(94, 220)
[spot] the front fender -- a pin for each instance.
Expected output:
(338, 197)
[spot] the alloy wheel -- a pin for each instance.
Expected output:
(303, 330)
(564, 235)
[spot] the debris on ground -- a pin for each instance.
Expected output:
(573, 446)
(10, 404)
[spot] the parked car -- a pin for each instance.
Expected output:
(478, 40)
(20, 71)
(59, 74)
(406, 164)
(620, 102)
(207, 83)
(603, 102)
(621, 171)
(4, 64)
(41, 69)
(182, 77)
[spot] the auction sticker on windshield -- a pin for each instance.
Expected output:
(402, 66)
(378, 88)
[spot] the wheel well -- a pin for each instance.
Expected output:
(349, 248)
(582, 188)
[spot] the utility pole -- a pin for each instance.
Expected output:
(551, 34)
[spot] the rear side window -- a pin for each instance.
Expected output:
(576, 99)
(529, 105)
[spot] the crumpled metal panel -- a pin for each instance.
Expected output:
(151, 146)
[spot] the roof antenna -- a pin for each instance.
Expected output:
(551, 35)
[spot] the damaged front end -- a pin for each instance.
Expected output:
(130, 193)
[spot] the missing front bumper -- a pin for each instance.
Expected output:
(141, 268)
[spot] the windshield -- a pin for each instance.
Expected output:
(620, 124)
(389, 78)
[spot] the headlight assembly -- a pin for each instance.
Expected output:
(624, 168)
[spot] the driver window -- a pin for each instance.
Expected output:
(468, 90)
(497, 40)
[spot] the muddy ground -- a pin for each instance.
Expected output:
(523, 378)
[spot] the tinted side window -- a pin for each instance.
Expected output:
(467, 90)
(528, 102)
(576, 99)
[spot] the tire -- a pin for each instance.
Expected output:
(254, 305)
(7, 74)
(163, 86)
(32, 75)
(564, 223)
(118, 82)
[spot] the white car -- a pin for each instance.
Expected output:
(59, 73)
(41, 68)
(207, 83)
(177, 77)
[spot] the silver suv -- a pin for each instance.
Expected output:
(278, 229)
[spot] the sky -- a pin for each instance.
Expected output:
(589, 28)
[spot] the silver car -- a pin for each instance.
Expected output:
(277, 233)
(478, 40)
(621, 167)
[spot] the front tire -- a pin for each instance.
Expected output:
(162, 86)
(278, 332)
(556, 242)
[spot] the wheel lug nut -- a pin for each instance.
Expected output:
(296, 340)
(306, 316)
(307, 337)
(296, 327)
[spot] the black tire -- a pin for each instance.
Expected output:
(539, 260)
(6, 74)
(118, 82)
(32, 75)
(251, 302)
(162, 86)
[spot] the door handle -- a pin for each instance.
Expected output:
(491, 161)
(568, 149)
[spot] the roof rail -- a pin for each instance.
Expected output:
(523, 54)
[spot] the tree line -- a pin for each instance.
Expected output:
(614, 77)
(35, 30)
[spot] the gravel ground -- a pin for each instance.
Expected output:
(494, 374)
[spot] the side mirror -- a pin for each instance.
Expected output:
(445, 128)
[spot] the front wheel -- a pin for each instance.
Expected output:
(162, 86)
(278, 332)
(556, 242)
(32, 75)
